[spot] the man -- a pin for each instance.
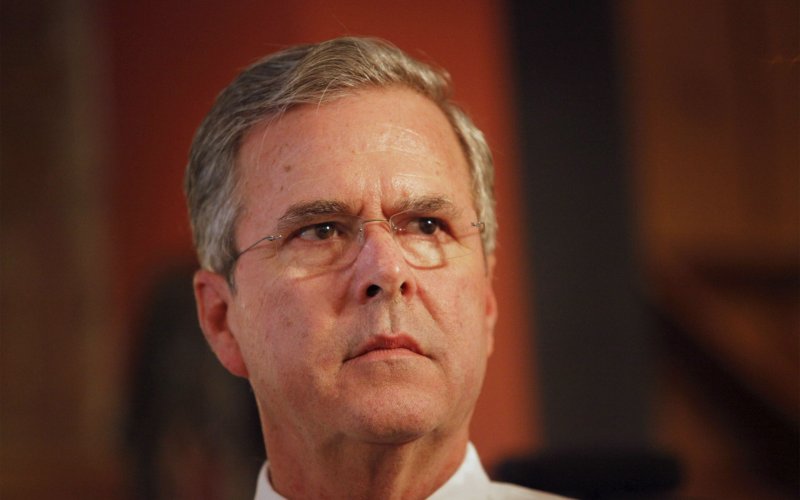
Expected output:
(343, 215)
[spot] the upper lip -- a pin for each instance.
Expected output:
(377, 342)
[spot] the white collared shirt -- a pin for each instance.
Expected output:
(469, 482)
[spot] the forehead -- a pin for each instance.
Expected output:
(369, 149)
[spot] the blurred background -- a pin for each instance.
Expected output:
(647, 183)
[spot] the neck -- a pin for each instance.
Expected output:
(347, 469)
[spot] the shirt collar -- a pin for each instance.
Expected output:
(470, 480)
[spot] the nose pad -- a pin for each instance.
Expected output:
(381, 268)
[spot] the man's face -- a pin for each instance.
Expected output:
(377, 350)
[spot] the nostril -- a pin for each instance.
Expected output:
(373, 290)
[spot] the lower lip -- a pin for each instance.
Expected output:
(386, 354)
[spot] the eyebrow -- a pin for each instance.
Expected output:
(430, 203)
(306, 209)
(309, 209)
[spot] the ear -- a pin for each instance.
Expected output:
(214, 298)
(490, 312)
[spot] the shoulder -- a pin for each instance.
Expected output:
(507, 491)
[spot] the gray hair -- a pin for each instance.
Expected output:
(308, 74)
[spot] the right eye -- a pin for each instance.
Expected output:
(320, 232)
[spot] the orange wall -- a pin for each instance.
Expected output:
(170, 58)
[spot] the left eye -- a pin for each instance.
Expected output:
(424, 225)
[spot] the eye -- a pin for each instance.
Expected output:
(429, 225)
(319, 232)
(424, 225)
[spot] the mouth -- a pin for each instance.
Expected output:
(387, 346)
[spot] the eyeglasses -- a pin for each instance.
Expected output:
(323, 242)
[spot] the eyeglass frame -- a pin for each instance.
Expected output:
(272, 238)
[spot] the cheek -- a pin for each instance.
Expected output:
(262, 321)
(458, 307)
(458, 304)
(458, 296)
(273, 345)
(287, 330)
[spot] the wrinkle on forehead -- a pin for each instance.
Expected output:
(357, 158)
(390, 137)
(384, 136)
(281, 160)
(405, 192)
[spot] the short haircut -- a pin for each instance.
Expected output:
(310, 74)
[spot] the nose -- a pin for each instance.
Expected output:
(381, 270)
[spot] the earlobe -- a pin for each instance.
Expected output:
(213, 296)
(491, 304)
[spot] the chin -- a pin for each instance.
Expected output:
(395, 419)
